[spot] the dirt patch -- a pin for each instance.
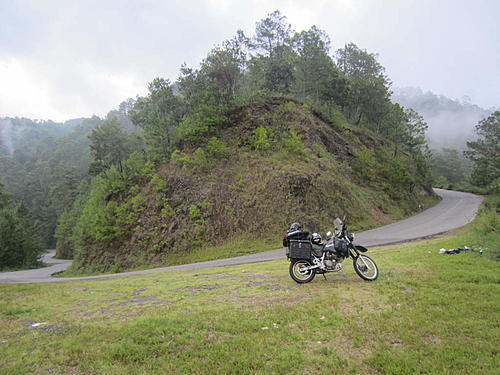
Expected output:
(255, 301)
(255, 283)
(282, 287)
(396, 342)
(138, 300)
(209, 274)
(259, 275)
(137, 292)
(406, 288)
(197, 288)
(51, 328)
(43, 326)
(26, 322)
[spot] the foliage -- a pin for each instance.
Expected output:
(261, 138)
(202, 122)
(46, 174)
(20, 246)
(291, 142)
(485, 152)
(486, 228)
(158, 115)
(216, 148)
(368, 92)
(450, 168)
(310, 117)
(110, 145)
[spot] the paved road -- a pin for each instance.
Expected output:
(455, 210)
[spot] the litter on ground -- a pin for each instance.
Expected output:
(456, 250)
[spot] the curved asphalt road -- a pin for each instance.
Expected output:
(455, 210)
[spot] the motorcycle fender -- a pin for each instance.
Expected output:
(361, 248)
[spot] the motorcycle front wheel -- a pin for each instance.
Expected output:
(365, 267)
(298, 273)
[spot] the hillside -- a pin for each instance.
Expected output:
(272, 162)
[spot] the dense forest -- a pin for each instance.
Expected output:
(267, 130)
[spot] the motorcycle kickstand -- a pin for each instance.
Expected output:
(325, 277)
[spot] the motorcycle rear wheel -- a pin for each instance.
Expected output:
(365, 267)
(298, 275)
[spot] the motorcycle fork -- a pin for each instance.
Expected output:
(353, 250)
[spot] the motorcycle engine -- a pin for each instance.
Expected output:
(330, 260)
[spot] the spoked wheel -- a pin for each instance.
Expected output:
(365, 267)
(298, 272)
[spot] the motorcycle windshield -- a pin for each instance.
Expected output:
(338, 226)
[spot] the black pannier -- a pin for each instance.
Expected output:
(299, 249)
(295, 235)
(340, 246)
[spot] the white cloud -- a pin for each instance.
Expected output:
(63, 59)
(23, 94)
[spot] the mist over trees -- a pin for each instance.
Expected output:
(484, 153)
(46, 165)
(451, 122)
(451, 125)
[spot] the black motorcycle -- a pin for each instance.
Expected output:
(307, 259)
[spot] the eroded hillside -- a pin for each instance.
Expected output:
(271, 163)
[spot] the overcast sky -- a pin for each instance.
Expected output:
(74, 58)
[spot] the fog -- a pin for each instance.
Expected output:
(6, 144)
(66, 59)
(451, 122)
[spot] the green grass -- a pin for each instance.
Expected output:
(426, 314)
(232, 248)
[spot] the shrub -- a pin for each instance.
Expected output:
(216, 148)
(291, 142)
(262, 138)
(486, 227)
(202, 122)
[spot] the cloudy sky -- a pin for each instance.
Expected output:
(73, 58)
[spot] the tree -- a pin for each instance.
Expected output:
(19, 242)
(272, 33)
(273, 65)
(485, 152)
(368, 85)
(451, 164)
(110, 145)
(4, 197)
(317, 75)
(158, 114)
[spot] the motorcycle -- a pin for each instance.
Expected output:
(308, 260)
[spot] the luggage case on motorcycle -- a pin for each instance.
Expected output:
(299, 249)
(340, 246)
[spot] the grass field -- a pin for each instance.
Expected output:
(426, 314)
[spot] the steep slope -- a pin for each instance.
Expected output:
(272, 163)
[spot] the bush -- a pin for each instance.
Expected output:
(202, 122)
(291, 142)
(262, 138)
(486, 227)
(216, 148)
